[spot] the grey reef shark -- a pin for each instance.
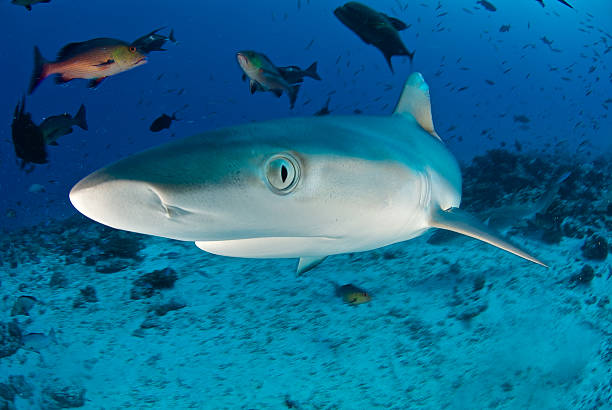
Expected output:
(293, 188)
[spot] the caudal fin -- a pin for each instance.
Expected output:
(79, 118)
(312, 71)
(405, 52)
(457, 220)
(40, 70)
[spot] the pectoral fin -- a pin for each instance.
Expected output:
(106, 63)
(457, 220)
(95, 82)
(308, 262)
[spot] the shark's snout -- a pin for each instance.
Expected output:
(119, 203)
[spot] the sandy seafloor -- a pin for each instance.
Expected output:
(253, 335)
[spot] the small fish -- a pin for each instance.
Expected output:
(487, 5)
(547, 41)
(36, 188)
(376, 28)
(92, 60)
(163, 122)
(264, 75)
(60, 125)
(28, 139)
(23, 305)
(521, 118)
(566, 3)
(351, 294)
(514, 214)
(504, 28)
(153, 41)
(29, 3)
(324, 110)
(294, 74)
(38, 341)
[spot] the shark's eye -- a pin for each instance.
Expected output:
(282, 173)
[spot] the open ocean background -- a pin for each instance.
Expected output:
(144, 322)
(452, 51)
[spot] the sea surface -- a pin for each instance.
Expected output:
(97, 318)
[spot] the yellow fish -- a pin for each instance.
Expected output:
(351, 294)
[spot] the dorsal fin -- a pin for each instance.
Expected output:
(415, 101)
(72, 49)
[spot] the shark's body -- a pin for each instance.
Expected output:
(298, 187)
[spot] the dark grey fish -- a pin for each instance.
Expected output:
(162, 122)
(487, 5)
(29, 3)
(23, 305)
(376, 28)
(28, 139)
(521, 118)
(294, 74)
(59, 125)
(153, 41)
(324, 110)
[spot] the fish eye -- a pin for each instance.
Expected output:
(282, 173)
(132, 49)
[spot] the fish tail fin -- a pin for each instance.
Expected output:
(388, 59)
(311, 71)
(410, 55)
(41, 70)
(293, 92)
(80, 119)
(457, 220)
(171, 36)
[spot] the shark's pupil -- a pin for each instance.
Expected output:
(284, 173)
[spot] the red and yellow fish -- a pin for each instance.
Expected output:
(92, 60)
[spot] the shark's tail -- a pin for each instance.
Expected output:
(457, 220)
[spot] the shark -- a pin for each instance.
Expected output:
(295, 187)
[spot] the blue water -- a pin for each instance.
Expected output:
(562, 93)
(204, 64)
